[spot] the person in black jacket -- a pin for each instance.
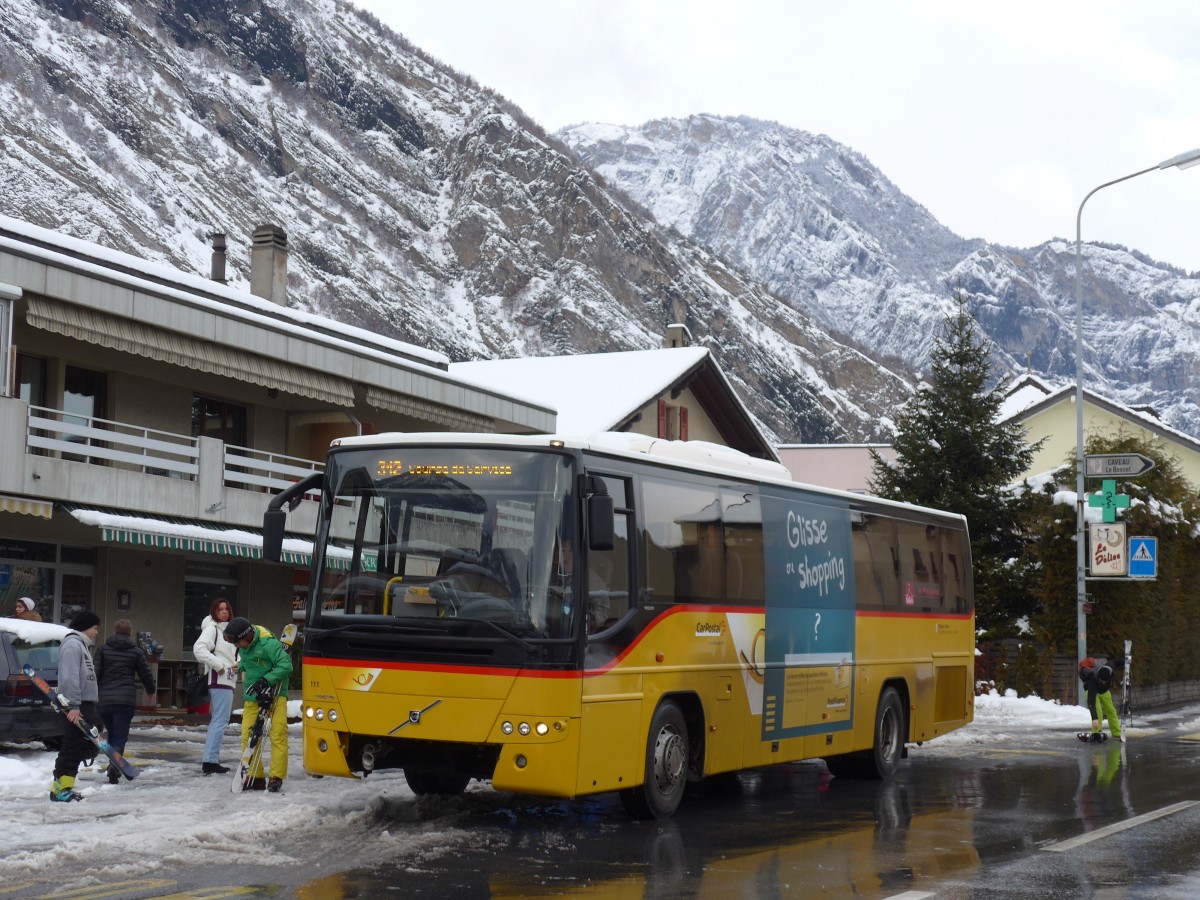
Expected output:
(1097, 682)
(118, 660)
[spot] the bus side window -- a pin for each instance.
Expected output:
(741, 512)
(678, 541)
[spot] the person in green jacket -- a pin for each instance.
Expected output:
(266, 666)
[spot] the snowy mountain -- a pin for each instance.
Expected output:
(826, 230)
(416, 203)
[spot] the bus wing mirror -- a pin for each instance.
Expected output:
(275, 517)
(273, 522)
(600, 521)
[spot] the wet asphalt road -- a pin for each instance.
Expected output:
(1032, 816)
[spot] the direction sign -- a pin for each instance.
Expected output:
(1109, 465)
(1143, 557)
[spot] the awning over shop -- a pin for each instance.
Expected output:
(26, 506)
(186, 535)
(458, 419)
(129, 336)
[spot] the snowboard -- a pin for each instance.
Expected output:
(253, 751)
(1089, 737)
(60, 705)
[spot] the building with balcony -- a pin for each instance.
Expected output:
(147, 416)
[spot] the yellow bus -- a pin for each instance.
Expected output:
(567, 617)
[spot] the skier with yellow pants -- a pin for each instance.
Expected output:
(265, 664)
(1097, 681)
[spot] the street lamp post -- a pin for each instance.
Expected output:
(1182, 161)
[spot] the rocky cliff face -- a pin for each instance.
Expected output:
(416, 203)
(823, 228)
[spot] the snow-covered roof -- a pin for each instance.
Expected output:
(143, 274)
(34, 632)
(592, 391)
(1030, 393)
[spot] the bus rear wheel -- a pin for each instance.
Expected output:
(882, 760)
(665, 775)
(422, 782)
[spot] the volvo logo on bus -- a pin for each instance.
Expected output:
(414, 717)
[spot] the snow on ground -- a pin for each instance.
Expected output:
(174, 815)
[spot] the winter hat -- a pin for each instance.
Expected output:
(237, 629)
(84, 619)
(29, 602)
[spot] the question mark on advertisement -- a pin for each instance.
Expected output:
(816, 625)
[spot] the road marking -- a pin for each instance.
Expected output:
(1000, 751)
(107, 890)
(1074, 842)
(911, 895)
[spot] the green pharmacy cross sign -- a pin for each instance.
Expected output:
(1109, 500)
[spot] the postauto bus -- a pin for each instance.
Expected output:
(570, 616)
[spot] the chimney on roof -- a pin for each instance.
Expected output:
(268, 264)
(218, 256)
(678, 336)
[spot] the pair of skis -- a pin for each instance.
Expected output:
(1126, 700)
(252, 753)
(60, 705)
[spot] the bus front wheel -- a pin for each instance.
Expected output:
(665, 775)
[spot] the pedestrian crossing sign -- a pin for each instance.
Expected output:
(1143, 557)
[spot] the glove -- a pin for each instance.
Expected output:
(259, 690)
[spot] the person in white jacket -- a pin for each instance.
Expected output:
(219, 658)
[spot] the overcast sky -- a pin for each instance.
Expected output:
(998, 117)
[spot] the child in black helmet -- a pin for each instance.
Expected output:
(266, 666)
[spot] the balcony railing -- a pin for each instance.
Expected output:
(257, 470)
(90, 439)
(98, 441)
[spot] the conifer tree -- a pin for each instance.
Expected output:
(953, 454)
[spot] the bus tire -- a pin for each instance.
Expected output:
(890, 732)
(666, 771)
(882, 760)
(421, 782)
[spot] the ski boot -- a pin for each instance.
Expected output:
(275, 785)
(62, 791)
(114, 774)
(255, 784)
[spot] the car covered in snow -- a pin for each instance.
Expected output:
(25, 713)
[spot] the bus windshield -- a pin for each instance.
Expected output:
(442, 535)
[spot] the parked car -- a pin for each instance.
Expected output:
(25, 713)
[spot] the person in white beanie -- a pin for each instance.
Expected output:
(27, 609)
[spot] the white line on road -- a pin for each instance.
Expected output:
(911, 895)
(1072, 843)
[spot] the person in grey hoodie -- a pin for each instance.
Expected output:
(77, 683)
(118, 661)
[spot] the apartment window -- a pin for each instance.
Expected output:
(31, 379)
(219, 419)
